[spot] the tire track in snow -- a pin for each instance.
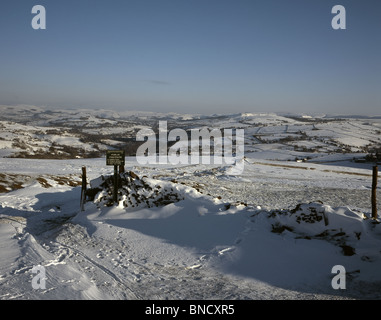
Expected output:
(129, 294)
(66, 233)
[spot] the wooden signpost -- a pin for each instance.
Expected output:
(83, 190)
(115, 158)
(374, 190)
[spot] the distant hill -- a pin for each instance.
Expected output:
(41, 132)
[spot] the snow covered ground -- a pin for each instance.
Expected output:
(190, 231)
(274, 232)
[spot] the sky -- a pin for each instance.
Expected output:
(193, 56)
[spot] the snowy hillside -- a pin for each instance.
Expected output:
(193, 231)
(35, 132)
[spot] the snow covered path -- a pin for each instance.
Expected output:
(208, 246)
(105, 266)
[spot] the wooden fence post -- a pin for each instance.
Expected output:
(83, 190)
(115, 196)
(374, 189)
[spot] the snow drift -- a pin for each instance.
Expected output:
(166, 239)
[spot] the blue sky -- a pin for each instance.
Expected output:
(193, 56)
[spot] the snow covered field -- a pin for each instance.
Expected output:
(274, 232)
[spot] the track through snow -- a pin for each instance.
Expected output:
(211, 245)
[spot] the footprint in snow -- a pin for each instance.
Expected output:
(196, 266)
(223, 251)
(137, 277)
(239, 240)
